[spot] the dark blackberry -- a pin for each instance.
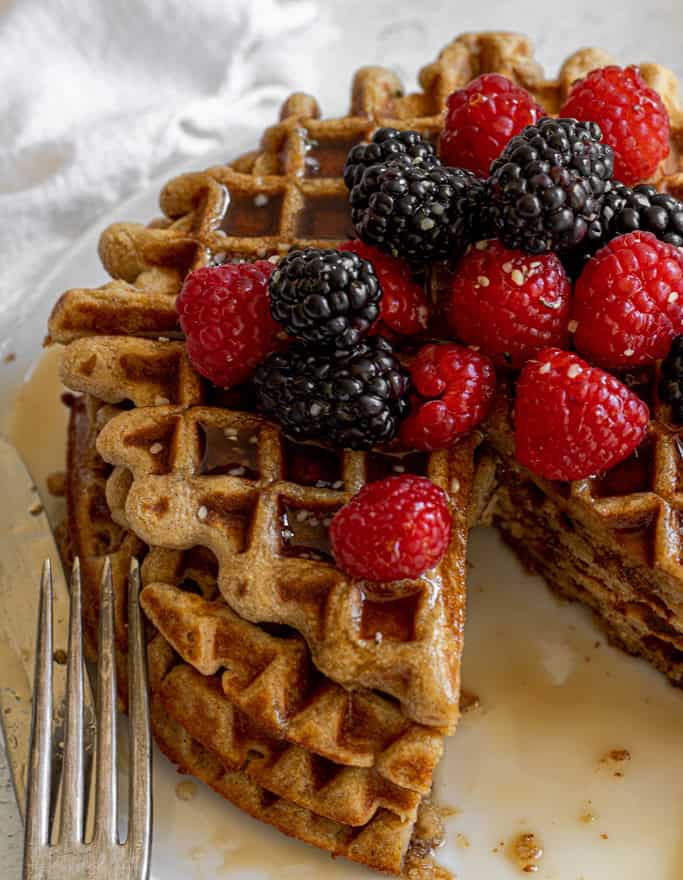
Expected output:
(387, 144)
(354, 399)
(671, 381)
(325, 297)
(421, 214)
(547, 187)
(628, 210)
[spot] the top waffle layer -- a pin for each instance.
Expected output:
(124, 345)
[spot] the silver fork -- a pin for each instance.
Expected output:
(72, 857)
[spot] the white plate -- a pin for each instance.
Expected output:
(555, 699)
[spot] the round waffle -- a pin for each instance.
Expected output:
(218, 556)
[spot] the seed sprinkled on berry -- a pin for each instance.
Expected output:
(404, 307)
(406, 147)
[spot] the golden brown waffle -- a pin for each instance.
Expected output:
(124, 346)
(228, 481)
(269, 720)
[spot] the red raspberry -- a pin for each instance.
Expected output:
(632, 117)
(509, 303)
(458, 385)
(404, 307)
(628, 301)
(225, 314)
(573, 420)
(482, 118)
(394, 528)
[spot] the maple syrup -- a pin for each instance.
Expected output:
(231, 451)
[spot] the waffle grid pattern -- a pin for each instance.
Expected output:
(356, 637)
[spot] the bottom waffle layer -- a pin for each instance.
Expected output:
(580, 563)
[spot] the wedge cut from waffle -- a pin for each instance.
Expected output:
(231, 482)
(347, 769)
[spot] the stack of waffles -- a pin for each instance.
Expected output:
(314, 702)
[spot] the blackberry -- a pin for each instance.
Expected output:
(354, 399)
(325, 297)
(671, 381)
(421, 214)
(547, 187)
(625, 210)
(388, 143)
(628, 210)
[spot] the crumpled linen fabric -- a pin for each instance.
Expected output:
(100, 96)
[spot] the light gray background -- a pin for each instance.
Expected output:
(404, 35)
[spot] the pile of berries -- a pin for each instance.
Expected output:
(554, 243)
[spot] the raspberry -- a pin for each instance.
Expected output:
(456, 387)
(632, 117)
(394, 528)
(225, 314)
(573, 420)
(628, 301)
(509, 303)
(482, 118)
(404, 307)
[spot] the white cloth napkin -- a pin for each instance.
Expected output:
(100, 96)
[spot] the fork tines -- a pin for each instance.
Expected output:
(72, 855)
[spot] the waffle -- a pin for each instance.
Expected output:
(229, 481)
(613, 541)
(267, 722)
(124, 349)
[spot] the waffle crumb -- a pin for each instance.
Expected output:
(186, 790)
(56, 484)
(588, 815)
(36, 509)
(615, 760)
(527, 852)
(60, 657)
(462, 840)
(9, 358)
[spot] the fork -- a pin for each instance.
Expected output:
(72, 857)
